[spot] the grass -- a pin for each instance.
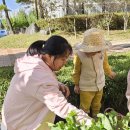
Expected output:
(24, 40)
(119, 35)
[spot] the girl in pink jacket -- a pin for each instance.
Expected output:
(128, 91)
(34, 89)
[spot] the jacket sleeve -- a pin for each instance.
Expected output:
(106, 66)
(56, 102)
(128, 91)
(76, 70)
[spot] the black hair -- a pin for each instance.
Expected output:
(55, 46)
(35, 48)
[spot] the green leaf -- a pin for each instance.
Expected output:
(105, 121)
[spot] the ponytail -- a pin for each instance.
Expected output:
(54, 46)
(35, 48)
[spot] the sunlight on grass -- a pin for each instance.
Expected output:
(24, 40)
(19, 41)
(118, 35)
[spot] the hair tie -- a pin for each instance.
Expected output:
(44, 42)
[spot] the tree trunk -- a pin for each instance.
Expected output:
(108, 18)
(67, 7)
(125, 25)
(41, 8)
(103, 6)
(82, 7)
(108, 29)
(36, 8)
(75, 10)
(125, 16)
(49, 27)
(86, 23)
(8, 19)
(75, 29)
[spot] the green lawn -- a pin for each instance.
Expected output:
(24, 40)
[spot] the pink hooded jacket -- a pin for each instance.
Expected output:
(128, 91)
(32, 91)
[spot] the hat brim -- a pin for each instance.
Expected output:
(82, 47)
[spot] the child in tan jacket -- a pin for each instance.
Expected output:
(90, 63)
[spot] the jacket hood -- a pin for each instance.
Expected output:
(28, 63)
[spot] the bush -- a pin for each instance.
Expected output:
(42, 23)
(32, 17)
(100, 21)
(6, 73)
(20, 20)
(95, 20)
(66, 23)
(114, 90)
(108, 121)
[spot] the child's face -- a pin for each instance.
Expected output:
(59, 63)
(55, 63)
(89, 54)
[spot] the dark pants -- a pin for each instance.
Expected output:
(57, 119)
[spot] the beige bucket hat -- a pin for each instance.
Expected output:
(93, 41)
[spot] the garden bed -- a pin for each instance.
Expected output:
(114, 90)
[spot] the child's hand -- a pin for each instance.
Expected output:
(112, 75)
(65, 90)
(76, 89)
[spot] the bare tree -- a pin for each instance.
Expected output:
(80, 7)
(75, 8)
(41, 8)
(67, 6)
(36, 8)
(75, 29)
(103, 6)
(124, 6)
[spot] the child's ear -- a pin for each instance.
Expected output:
(52, 58)
(45, 57)
(41, 56)
(48, 58)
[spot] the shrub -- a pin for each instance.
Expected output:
(20, 20)
(95, 20)
(108, 121)
(32, 18)
(42, 23)
(6, 73)
(114, 90)
(65, 24)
